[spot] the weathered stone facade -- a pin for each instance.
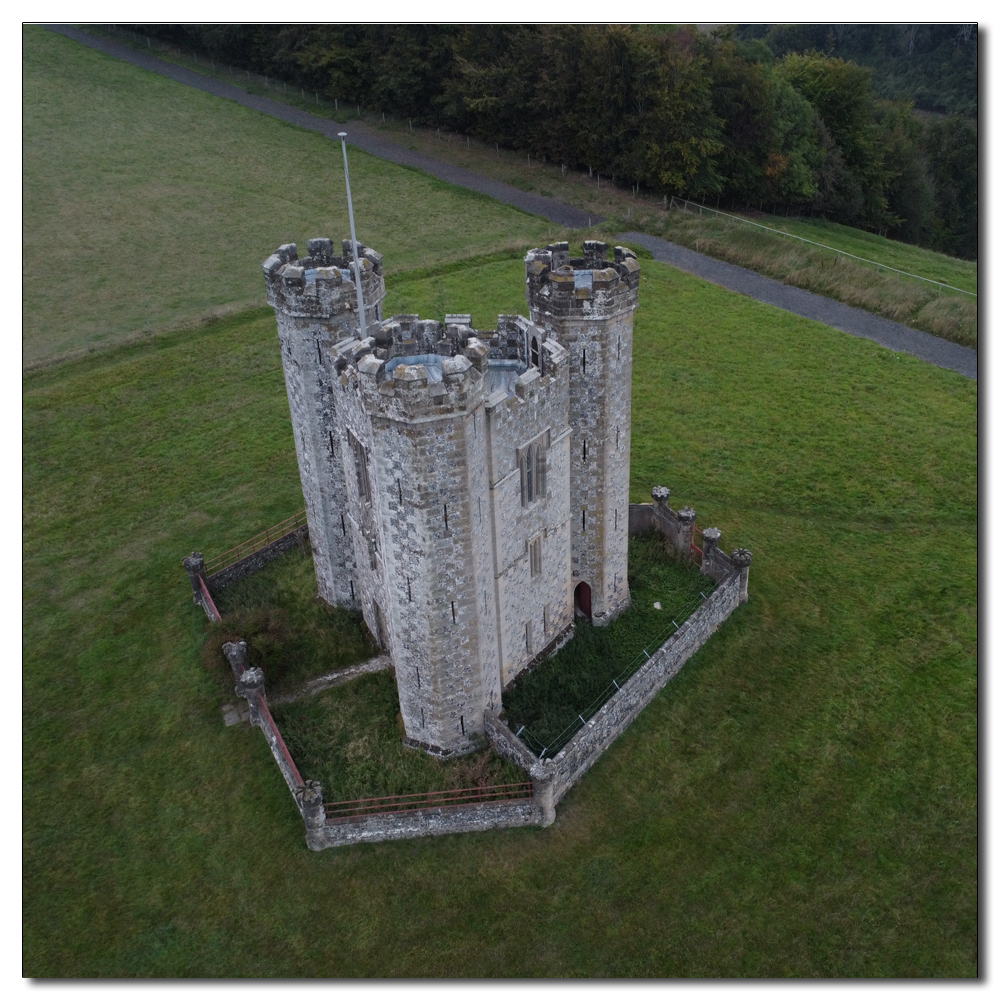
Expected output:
(466, 489)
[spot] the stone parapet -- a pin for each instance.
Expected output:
(321, 284)
(589, 287)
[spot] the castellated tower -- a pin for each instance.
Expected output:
(316, 306)
(441, 475)
(587, 304)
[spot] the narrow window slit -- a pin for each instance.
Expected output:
(445, 517)
(399, 486)
(343, 526)
(319, 352)
(584, 361)
(585, 449)
(454, 620)
(409, 594)
(461, 722)
(352, 589)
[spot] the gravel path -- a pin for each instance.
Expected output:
(358, 135)
(888, 333)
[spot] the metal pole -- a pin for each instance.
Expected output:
(354, 241)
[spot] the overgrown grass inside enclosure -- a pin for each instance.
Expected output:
(350, 739)
(550, 698)
(290, 633)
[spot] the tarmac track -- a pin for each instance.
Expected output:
(858, 322)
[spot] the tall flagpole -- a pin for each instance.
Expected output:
(354, 242)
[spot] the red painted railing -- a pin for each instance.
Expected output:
(208, 597)
(696, 553)
(264, 710)
(255, 544)
(428, 800)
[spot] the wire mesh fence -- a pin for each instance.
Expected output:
(543, 749)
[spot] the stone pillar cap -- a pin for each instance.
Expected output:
(661, 493)
(713, 534)
(741, 557)
(687, 514)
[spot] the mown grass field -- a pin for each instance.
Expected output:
(952, 315)
(800, 801)
(149, 204)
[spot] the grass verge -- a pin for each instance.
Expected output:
(800, 801)
(550, 699)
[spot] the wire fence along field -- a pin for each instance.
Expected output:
(549, 748)
(683, 204)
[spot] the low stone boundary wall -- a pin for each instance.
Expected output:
(425, 823)
(202, 584)
(259, 559)
(553, 778)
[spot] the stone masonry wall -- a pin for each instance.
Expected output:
(425, 823)
(315, 306)
(532, 609)
(587, 304)
(257, 560)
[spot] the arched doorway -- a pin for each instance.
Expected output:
(582, 599)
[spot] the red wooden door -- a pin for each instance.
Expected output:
(583, 599)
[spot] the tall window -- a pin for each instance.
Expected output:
(535, 555)
(361, 468)
(534, 352)
(532, 460)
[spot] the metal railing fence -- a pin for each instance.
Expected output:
(255, 544)
(878, 265)
(428, 800)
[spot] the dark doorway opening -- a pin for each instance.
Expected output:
(582, 598)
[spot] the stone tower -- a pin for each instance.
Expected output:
(466, 489)
(315, 304)
(587, 304)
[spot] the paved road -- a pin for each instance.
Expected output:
(888, 333)
(364, 138)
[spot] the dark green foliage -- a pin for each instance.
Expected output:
(668, 109)
(290, 633)
(349, 739)
(550, 698)
(936, 66)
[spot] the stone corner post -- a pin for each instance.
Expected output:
(542, 781)
(236, 653)
(195, 566)
(710, 548)
(685, 533)
(251, 686)
(741, 559)
(310, 800)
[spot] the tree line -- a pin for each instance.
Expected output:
(717, 118)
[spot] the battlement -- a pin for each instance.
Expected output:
(590, 286)
(322, 284)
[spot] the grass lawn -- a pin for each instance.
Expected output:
(149, 204)
(553, 698)
(800, 801)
